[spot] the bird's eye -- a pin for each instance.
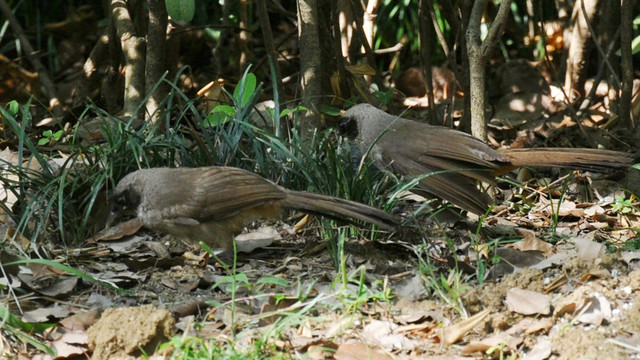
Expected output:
(127, 199)
(120, 199)
(348, 127)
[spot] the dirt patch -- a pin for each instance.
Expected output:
(493, 294)
(122, 332)
(571, 342)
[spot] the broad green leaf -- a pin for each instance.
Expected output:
(330, 110)
(13, 107)
(245, 89)
(221, 114)
(635, 45)
(181, 11)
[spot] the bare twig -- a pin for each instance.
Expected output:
(425, 31)
(267, 35)
(371, 59)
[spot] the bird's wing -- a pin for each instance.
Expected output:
(221, 192)
(446, 143)
(451, 186)
(435, 148)
(462, 157)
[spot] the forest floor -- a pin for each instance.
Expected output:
(400, 298)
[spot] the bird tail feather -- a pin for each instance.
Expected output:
(578, 159)
(339, 209)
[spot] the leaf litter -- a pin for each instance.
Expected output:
(543, 300)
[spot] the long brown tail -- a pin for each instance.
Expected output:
(339, 208)
(579, 159)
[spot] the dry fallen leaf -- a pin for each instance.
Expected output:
(257, 239)
(527, 302)
(358, 351)
(530, 325)
(587, 249)
(360, 69)
(81, 321)
(118, 231)
(41, 315)
(500, 342)
(302, 223)
(453, 333)
(71, 344)
(531, 242)
(596, 310)
(540, 351)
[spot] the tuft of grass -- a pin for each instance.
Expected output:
(191, 347)
(67, 195)
(623, 205)
(354, 293)
(22, 330)
(62, 196)
(447, 288)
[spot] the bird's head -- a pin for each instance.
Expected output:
(126, 198)
(351, 122)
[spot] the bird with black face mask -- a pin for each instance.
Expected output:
(410, 148)
(213, 204)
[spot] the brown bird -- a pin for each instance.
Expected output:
(411, 149)
(212, 204)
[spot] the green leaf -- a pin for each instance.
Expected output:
(47, 133)
(14, 321)
(181, 11)
(225, 109)
(242, 277)
(245, 89)
(635, 45)
(270, 111)
(13, 107)
(43, 141)
(286, 112)
(69, 270)
(272, 280)
(330, 110)
(220, 114)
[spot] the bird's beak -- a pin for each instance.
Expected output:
(113, 216)
(342, 112)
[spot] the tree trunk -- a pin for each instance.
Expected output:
(626, 65)
(579, 49)
(308, 34)
(133, 50)
(479, 52)
(155, 65)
